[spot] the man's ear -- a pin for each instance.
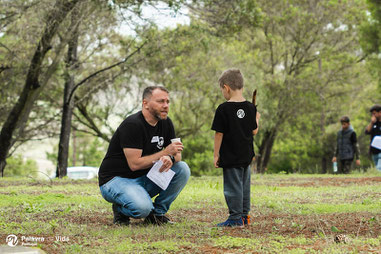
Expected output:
(145, 103)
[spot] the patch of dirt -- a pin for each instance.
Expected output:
(53, 182)
(309, 226)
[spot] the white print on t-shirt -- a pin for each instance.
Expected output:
(240, 113)
(159, 141)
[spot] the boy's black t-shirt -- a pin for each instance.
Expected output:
(134, 132)
(236, 120)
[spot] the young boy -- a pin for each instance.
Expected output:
(235, 123)
(347, 147)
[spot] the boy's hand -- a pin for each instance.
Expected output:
(216, 161)
(258, 116)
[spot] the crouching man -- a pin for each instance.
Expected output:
(139, 141)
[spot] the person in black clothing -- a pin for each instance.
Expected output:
(139, 141)
(235, 122)
(347, 147)
(374, 129)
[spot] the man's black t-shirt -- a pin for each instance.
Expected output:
(375, 131)
(236, 120)
(134, 132)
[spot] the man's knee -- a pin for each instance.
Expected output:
(138, 209)
(183, 170)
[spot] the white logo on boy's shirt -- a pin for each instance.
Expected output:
(240, 113)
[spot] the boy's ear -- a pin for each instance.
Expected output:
(227, 87)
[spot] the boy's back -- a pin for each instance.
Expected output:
(236, 120)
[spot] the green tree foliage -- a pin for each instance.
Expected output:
(303, 57)
(87, 151)
(308, 57)
(371, 38)
(17, 166)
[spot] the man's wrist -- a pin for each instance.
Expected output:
(172, 158)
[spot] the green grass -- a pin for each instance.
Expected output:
(290, 214)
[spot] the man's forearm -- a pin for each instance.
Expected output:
(368, 128)
(178, 157)
(144, 162)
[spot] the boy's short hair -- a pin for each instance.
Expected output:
(376, 107)
(233, 78)
(344, 119)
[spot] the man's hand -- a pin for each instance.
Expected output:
(167, 163)
(373, 119)
(358, 163)
(334, 159)
(174, 148)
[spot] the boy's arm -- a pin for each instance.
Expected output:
(257, 117)
(217, 145)
(356, 147)
(336, 151)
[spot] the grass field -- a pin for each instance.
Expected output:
(290, 214)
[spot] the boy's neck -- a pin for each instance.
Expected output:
(236, 96)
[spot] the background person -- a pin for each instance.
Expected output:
(140, 140)
(374, 129)
(347, 147)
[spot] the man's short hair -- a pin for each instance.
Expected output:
(233, 78)
(376, 107)
(344, 119)
(147, 93)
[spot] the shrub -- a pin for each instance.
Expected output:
(18, 166)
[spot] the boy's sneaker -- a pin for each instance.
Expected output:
(119, 218)
(231, 223)
(246, 220)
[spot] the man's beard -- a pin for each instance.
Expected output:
(157, 115)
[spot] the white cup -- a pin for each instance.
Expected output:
(175, 140)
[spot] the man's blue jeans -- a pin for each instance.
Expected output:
(133, 196)
(237, 191)
(377, 160)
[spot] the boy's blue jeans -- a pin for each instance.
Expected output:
(237, 191)
(377, 160)
(133, 196)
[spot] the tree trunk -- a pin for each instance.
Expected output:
(265, 150)
(63, 147)
(74, 148)
(20, 112)
(68, 100)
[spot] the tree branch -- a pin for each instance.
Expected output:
(103, 70)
